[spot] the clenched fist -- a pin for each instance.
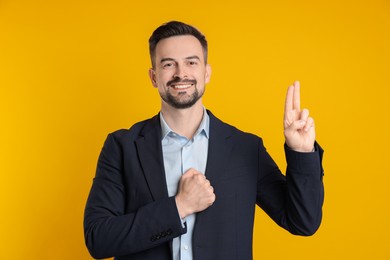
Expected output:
(194, 193)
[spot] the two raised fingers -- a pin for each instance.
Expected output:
(293, 98)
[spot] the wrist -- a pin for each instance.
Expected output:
(302, 149)
(183, 212)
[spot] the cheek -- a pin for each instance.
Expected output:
(164, 78)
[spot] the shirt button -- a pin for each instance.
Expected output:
(185, 247)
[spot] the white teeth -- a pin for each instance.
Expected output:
(182, 86)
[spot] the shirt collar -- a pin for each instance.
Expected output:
(204, 126)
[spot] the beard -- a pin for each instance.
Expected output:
(181, 101)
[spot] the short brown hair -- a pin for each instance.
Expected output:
(175, 28)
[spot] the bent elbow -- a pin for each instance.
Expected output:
(94, 248)
(307, 228)
(308, 231)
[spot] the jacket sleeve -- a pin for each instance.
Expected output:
(294, 201)
(108, 229)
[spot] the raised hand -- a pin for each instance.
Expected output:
(194, 193)
(299, 128)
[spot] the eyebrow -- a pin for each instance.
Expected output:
(193, 57)
(187, 58)
(166, 59)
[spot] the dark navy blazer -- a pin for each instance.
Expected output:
(130, 216)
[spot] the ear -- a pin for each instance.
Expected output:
(152, 76)
(208, 73)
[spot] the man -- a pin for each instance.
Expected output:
(183, 184)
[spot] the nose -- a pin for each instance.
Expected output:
(180, 72)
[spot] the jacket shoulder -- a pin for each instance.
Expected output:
(231, 130)
(136, 130)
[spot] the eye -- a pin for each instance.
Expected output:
(168, 65)
(192, 63)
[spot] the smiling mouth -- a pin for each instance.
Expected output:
(182, 86)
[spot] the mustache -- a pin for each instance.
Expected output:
(178, 80)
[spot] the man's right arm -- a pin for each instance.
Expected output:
(108, 229)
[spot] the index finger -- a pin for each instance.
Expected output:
(191, 172)
(297, 96)
(289, 99)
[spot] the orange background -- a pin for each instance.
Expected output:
(73, 71)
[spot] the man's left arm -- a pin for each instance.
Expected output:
(294, 201)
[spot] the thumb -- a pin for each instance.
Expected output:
(189, 173)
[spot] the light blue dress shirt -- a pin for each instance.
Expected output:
(181, 154)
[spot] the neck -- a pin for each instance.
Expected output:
(183, 121)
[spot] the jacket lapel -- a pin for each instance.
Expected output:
(220, 147)
(150, 154)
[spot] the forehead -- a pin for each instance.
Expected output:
(179, 47)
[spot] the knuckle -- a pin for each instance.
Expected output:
(200, 178)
